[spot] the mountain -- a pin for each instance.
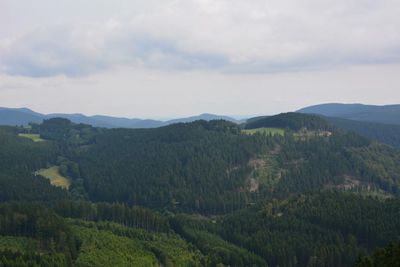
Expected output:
(389, 114)
(19, 116)
(23, 116)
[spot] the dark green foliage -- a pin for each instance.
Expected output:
(169, 249)
(70, 169)
(292, 121)
(202, 233)
(63, 130)
(297, 215)
(198, 166)
(21, 154)
(19, 159)
(40, 223)
(329, 229)
(120, 213)
(317, 163)
(102, 248)
(379, 165)
(383, 133)
(10, 258)
(389, 256)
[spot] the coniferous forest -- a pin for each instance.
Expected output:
(198, 194)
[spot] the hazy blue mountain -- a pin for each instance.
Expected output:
(389, 114)
(80, 118)
(19, 116)
(23, 116)
(127, 123)
(204, 116)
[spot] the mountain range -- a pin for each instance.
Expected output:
(23, 116)
(388, 114)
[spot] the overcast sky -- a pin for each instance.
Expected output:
(170, 58)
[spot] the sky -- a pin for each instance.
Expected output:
(172, 58)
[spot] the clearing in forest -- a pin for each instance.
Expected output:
(33, 137)
(265, 172)
(56, 179)
(265, 130)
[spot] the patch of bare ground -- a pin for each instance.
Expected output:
(256, 163)
(265, 171)
(276, 150)
(352, 183)
(349, 183)
(253, 185)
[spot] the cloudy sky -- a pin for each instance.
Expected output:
(169, 58)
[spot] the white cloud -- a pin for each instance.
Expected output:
(226, 35)
(152, 93)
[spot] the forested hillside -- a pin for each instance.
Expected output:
(193, 167)
(196, 194)
(380, 132)
(19, 159)
(292, 121)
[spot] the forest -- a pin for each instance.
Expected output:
(199, 194)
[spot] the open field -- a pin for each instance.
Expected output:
(33, 137)
(268, 131)
(55, 177)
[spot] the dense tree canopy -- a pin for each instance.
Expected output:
(293, 121)
(198, 194)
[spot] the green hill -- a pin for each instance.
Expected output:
(292, 121)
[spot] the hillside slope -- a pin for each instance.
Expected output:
(384, 133)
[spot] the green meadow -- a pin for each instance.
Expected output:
(33, 137)
(55, 177)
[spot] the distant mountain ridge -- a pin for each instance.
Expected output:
(388, 114)
(23, 116)
(19, 116)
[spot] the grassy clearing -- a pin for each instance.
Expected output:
(33, 137)
(264, 130)
(55, 177)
